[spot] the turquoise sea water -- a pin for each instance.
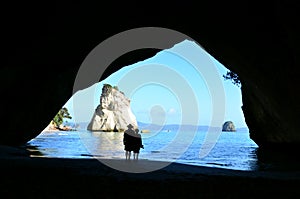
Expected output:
(232, 150)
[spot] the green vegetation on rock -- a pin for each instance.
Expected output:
(59, 117)
(233, 77)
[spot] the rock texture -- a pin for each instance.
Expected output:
(113, 113)
(228, 126)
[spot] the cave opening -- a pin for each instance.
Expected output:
(159, 112)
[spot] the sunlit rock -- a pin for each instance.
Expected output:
(228, 126)
(113, 113)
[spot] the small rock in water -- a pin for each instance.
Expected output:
(228, 126)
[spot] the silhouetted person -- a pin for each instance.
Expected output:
(137, 144)
(128, 141)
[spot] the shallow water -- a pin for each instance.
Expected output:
(232, 150)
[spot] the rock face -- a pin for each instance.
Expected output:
(228, 126)
(113, 113)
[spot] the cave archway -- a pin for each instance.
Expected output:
(142, 99)
(260, 42)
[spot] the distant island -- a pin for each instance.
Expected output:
(228, 127)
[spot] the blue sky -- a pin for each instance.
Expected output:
(170, 88)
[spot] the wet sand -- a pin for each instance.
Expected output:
(26, 177)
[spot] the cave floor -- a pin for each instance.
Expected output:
(88, 178)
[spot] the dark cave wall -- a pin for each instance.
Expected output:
(44, 48)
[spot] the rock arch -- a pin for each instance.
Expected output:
(43, 52)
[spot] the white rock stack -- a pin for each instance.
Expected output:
(113, 113)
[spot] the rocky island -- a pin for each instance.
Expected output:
(228, 126)
(113, 113)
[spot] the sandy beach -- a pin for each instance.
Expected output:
(29, 177)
